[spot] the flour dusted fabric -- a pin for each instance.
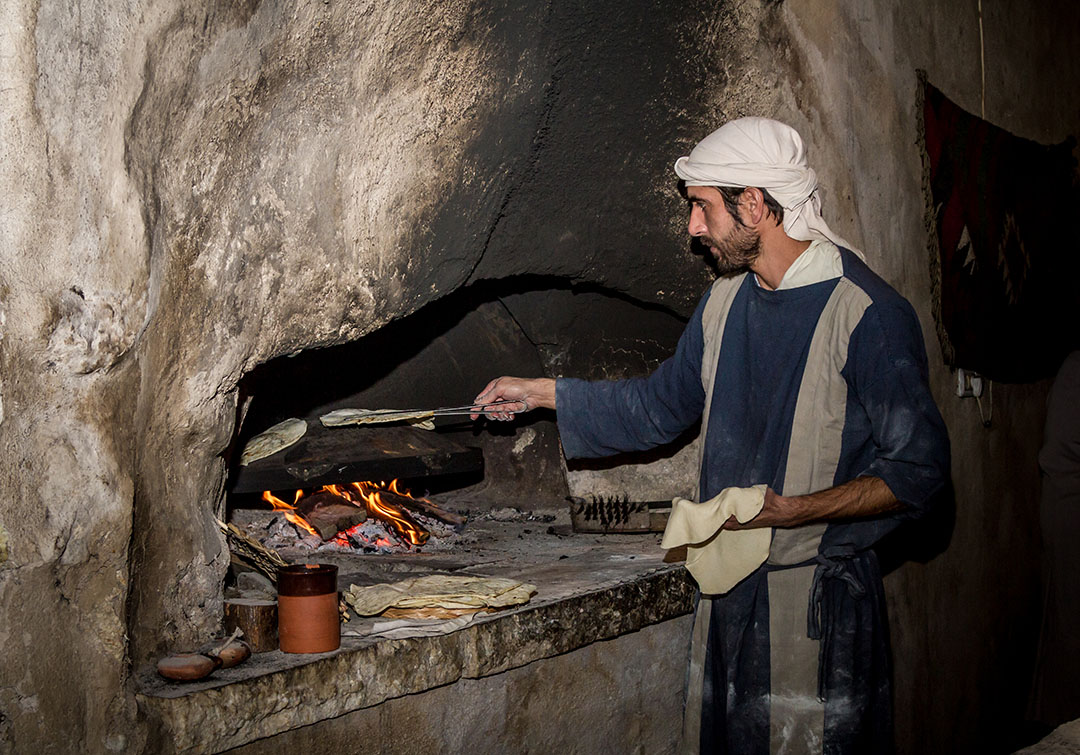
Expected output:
(794, 371)
(717, 558)
(768, 155)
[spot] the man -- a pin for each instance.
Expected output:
(808, 373)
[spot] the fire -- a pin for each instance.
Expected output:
(365, 494)
(403, 524)
(280, 505)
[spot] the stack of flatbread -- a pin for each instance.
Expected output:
(343, 417)
(438, 596)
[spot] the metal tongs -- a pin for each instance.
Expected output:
(449, 411)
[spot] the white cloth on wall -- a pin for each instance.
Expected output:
(717, 558)
(766, 154)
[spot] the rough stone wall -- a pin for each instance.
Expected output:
(73, 301)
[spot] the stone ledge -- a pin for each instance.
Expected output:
(228, 711)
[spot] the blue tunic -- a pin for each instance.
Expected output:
(814, 386)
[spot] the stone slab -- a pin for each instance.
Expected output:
(616, 696)
(610, 588)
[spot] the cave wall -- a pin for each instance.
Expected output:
(73, 300)
(193, 188)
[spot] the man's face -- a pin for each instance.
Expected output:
(734, 245)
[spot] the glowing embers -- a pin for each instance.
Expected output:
(364, 516)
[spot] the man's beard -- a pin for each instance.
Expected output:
(735, 252)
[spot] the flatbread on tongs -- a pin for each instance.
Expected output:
(277, 438)
(343, 417)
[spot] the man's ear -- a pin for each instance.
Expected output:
(752, 206)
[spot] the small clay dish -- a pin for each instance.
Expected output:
(233, 654)
(187, 667)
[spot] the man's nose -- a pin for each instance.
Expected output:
(697, 226)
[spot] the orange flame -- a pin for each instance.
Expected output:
(280, 505)
(403, 524)
(361, 494)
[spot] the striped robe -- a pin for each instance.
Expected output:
(802, 389)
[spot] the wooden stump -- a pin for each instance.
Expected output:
(257, 619)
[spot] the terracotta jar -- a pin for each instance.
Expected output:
(308, 620)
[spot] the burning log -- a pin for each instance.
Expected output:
(370, 496)
(330, 514)
(335, 509)
(423, 506)
(397, 517)
(329, 520)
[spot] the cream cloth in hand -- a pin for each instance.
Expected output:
(717, 558)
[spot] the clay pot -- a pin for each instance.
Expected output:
(308, 619)
(233, 654)
(187, 667)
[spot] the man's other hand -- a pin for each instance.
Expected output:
(858, 498)
(531, 393)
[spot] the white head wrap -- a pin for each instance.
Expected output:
(765, 154)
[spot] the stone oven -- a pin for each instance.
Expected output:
(507, 482)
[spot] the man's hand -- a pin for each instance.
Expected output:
(532, 393)
(862, 497)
